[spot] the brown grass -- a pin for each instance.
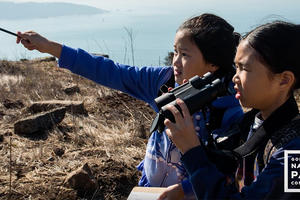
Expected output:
(111, 139)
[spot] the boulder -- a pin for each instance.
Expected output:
(9, 104)
(73, 107)
(82, 180)
(71, 89)
(39, 122)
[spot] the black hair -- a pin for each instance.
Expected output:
(278, 45)
(215, 38)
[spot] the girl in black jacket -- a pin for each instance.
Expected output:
(268, 70)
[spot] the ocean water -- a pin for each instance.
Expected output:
(101, 33)
(153, 32)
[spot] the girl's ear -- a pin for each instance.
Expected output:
(287, 79)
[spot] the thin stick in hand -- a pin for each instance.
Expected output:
(6, 31)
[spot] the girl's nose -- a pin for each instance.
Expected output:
(235, 78)
(176, 60)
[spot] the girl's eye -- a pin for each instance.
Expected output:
(239, 67)
(242, 68)
(184, 54)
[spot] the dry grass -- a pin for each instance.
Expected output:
(111, 139)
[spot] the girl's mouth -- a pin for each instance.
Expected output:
(177, 72)
(238, 95)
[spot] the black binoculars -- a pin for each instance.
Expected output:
(196, 93)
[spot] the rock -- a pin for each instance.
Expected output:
(73, 107)
(12, 104)
(47, 59)
(1, 114)
(100, 54)
(82, 180)
(140, 131)
(1, 138)
(51, 159)
(40, 122)
(72, 89)
(8, 133)
(59, 151)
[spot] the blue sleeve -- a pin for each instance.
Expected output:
(231, 116)
(142, 83)
(233, 110)
(209, 183)
(187, 188)
(203, 175)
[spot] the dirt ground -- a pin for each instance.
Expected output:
(111, 138)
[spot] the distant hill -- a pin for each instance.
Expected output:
(30, 10)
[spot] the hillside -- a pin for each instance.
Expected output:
(111, 137)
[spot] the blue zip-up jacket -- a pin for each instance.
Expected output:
(162, 166)
(209, 183)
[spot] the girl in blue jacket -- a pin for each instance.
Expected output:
(268, 71)
(206, 43)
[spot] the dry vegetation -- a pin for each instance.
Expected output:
(111, 139)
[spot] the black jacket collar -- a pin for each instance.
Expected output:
(281, 116)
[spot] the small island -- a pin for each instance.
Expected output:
(30, 10)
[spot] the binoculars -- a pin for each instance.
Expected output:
(196, 93)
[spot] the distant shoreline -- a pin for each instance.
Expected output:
(30, 10)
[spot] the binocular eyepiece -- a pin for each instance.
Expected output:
(196, 93)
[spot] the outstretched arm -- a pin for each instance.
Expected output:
(142, 83)
(34, 41)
